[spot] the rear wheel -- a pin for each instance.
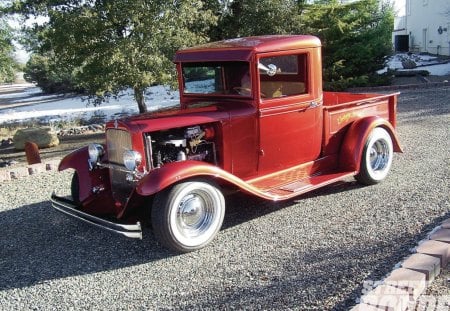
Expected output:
(187, 216)
(377, 157)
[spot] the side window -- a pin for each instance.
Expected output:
(282, 76)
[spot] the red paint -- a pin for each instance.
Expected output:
(32, 153)
(282, 138)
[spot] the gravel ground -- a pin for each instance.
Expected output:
(312, 253)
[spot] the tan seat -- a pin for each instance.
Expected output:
(273, 89)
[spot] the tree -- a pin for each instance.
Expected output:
(356, 36)
(115, 45)
(51, 77)
(7, 62)
(240, 18)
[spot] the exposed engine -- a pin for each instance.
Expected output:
(191, 143)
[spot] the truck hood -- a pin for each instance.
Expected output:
(177, 117)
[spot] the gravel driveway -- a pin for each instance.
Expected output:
(314, 252)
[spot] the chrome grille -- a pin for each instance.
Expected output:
(117, 142)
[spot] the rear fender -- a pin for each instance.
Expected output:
(175, 172)
(356, 137)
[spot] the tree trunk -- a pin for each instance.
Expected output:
(139, 97)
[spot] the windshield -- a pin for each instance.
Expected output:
(217, 78)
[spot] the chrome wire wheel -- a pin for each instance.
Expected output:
(377, 157)
(188, 216)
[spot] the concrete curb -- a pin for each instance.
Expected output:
(401, 289)
(15, 172)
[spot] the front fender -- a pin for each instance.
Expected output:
(172, 173)
(78, 160)
(356, 137)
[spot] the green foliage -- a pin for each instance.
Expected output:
(102, 47)
(49, 75)
(7, 62)
(242, 18)
(115, 45)
(356, 36)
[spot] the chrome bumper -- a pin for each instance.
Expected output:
(70, 208)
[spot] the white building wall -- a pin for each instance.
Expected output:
(427, 22)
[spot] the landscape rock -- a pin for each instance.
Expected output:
(44, 137)
(52, 165)
(81, 130)
(19, 172)
(409, 64)
(6, 142)
(37, 168)
(4, 163)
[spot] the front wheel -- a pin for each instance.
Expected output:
(377, 157)
(187, 216)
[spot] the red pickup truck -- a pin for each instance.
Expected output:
(252, 117)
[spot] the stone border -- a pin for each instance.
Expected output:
(15, 172)
(401, 289)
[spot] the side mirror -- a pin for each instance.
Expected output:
(270, 70)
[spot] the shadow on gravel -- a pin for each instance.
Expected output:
(382, 267)
(38, 244)
(241, 208)
(330, 270)
(314, 280)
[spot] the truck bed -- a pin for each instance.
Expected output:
(341, 109)
(337, 99)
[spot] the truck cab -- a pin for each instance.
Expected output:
(280, 87)
(252, 117)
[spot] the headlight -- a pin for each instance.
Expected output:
(131, 159)
(96, 151)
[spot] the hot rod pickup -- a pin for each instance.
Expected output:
(252, 117)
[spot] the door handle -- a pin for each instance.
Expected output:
(314, 104)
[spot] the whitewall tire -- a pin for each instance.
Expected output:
(187, 216)
(377, 157)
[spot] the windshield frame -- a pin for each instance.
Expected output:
(230, 79)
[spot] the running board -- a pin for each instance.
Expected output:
(297, 187)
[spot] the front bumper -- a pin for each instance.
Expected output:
(68, 207)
